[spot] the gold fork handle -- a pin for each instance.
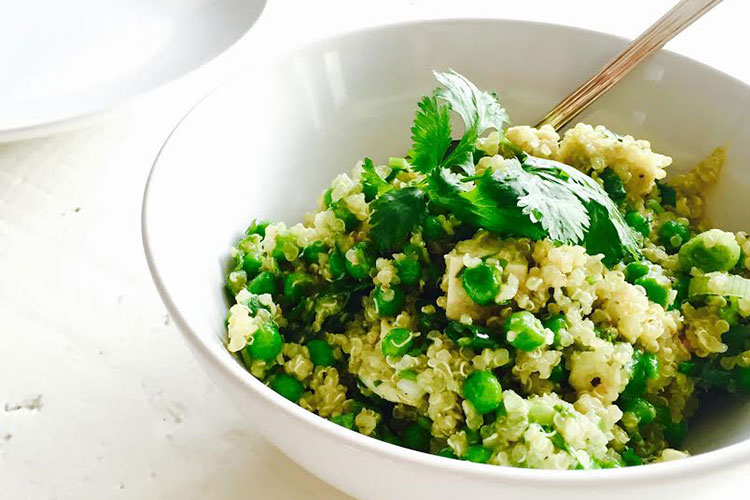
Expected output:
(670, 24)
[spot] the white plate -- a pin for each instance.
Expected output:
(62, 60)
(267, 146)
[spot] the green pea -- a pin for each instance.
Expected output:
(342, 212)
(682, 285)
(650, 364)
(359, 261)
(327, 200)
(337, 264)
(257, 227)
(481, 283)
(311, 252)
(297, 285)
(344, 420)
(655, 290)
(321, 353)
(675, 432)
(267, 342)
(712, 250)
(447, 452)
(251, 263)
(236, 281)
(729, 313)
(478, 453)
(557, 324)
(636, 270)
(285, 244)
(417, 437)
(397, 342)
(642, 409)
(390, 301)
(613, 185)
(432, 229)
(673, 235)
(409, 271)
(645, 367)
(630, 457)
(287, 386)
(524, 331)
(639, 222)
(265, 282)
(482, 389)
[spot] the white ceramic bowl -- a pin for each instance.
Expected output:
(266, 144)
(65, 62)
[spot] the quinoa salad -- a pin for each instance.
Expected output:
(502, 294)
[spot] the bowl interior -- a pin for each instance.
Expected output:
(267, 143)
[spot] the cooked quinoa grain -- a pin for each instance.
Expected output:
(443, 303)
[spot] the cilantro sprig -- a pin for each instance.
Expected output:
(527, 197)
(431, 133)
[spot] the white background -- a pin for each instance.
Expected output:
(117, 408)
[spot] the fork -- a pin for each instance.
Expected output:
(682, 15)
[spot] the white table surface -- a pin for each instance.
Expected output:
(99, 397)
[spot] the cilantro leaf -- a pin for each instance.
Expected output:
(605, 228)
(462, 154)
(603, 237)
(548, 200)
(539, 198)
(373, 185)
(491, 204)
(395, 214)
(430, 134)
(477, 108)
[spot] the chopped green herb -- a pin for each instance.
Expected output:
(395, 215)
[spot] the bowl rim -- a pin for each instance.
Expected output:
(697, 464)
